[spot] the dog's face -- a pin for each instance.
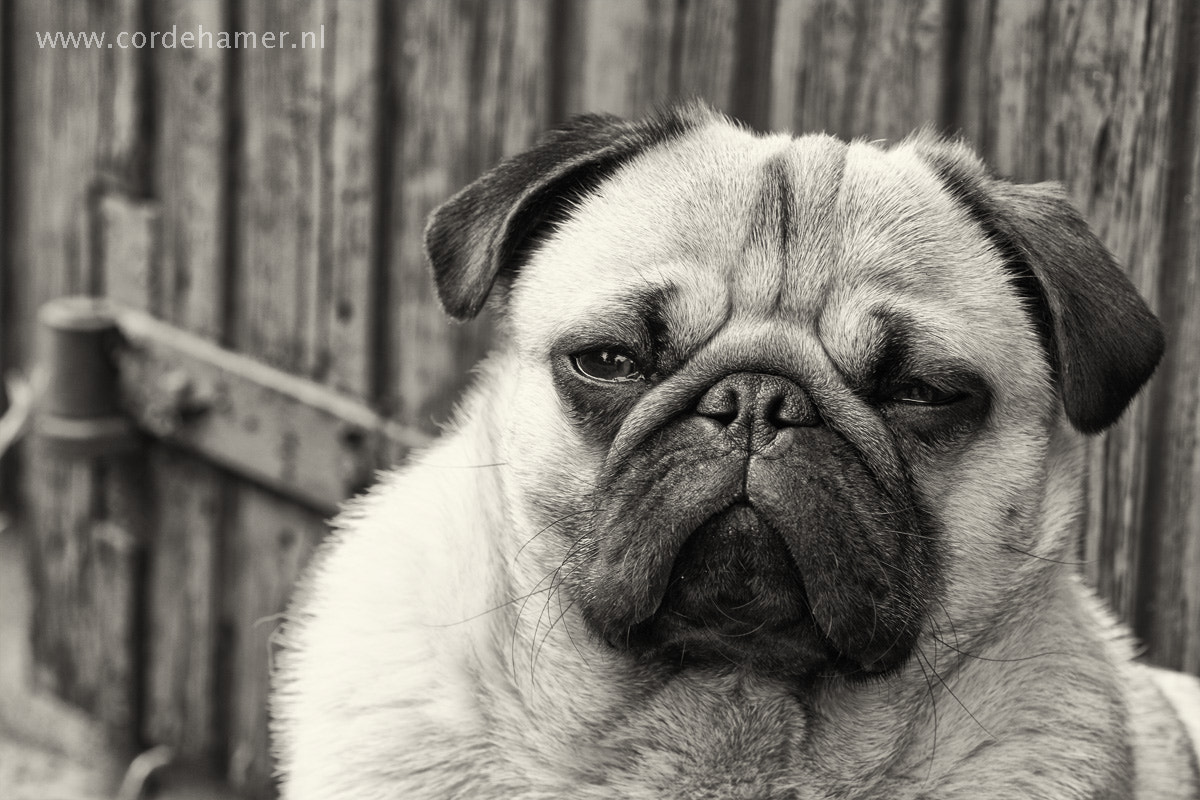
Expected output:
(784, 403)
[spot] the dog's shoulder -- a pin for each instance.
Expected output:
(1164, 721)
(1162, 713)
(374, 664)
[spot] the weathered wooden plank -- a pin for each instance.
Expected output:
(622, 56)
(128, 232)
(82, 568)
(272, 539)
(55, 131)
(705, 50)
(191, 167)
(309, 194)
(1003, 94)
(186, 284)
(182, 496)
(858, 68)
(968, 43)
(350, 208)
(279, 192)
(125, 234)
(629, 57)
(510, 86)
(182, 604)
(298, 437)
(79, 131)
(750, 91)
(305, 299)
(49, 749)
(276, 316)
(1171, 620)
(122, 232)
(471, 86)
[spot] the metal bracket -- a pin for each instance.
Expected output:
(78, 409)
(111, 370)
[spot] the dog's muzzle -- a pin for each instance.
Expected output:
(763, 542)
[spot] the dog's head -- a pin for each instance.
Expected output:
(778, 400)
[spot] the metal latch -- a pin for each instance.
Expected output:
(114, 374)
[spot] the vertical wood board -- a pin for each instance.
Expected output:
(279, 278)
(1171, 614)
(186, 281)
(271, 540)
(628, 58)
(352, 180)
(858, 68)
(193, 133)
(470, 81)
(79, 134)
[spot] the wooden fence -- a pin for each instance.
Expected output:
(272, 200)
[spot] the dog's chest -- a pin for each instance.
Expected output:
(698, 736)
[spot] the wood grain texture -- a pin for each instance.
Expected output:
(83, 568)
(307, 190)
(279, 293)
(271, 541)
(128, 242)
(178, 500)
(350, 197)
(629, 57)
(56, 100)
(187, 285)
(268, 426)
(1170, 614)
(858, 68)
(182, 605)
(1004, 107)
(305, 277)
(192, 136)
(470, 81)
(81, 112)
(279, 289)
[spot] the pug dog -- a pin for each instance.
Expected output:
(765, 492)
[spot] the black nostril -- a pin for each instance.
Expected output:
(756, 399)
(791, 409)
(720, 403)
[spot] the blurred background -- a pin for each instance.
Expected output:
(254, 217)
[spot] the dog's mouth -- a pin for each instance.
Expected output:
(736, 597)
(800, 565)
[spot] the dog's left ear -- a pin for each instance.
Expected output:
(1102, 340)
(480, 232)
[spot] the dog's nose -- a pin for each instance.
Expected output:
(759, 405)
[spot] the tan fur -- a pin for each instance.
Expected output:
(432, 653)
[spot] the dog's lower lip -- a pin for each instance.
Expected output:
(733, 571)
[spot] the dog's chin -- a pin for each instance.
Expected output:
(736, 600)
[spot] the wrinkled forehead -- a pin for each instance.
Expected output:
(728, 226)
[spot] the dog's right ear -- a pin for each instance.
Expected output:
(1102, 340)
(480, 231)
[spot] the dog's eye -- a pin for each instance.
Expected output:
(607, 364)
(919, 393)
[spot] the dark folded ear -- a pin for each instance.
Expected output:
(1103, 341)
(480, 231)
